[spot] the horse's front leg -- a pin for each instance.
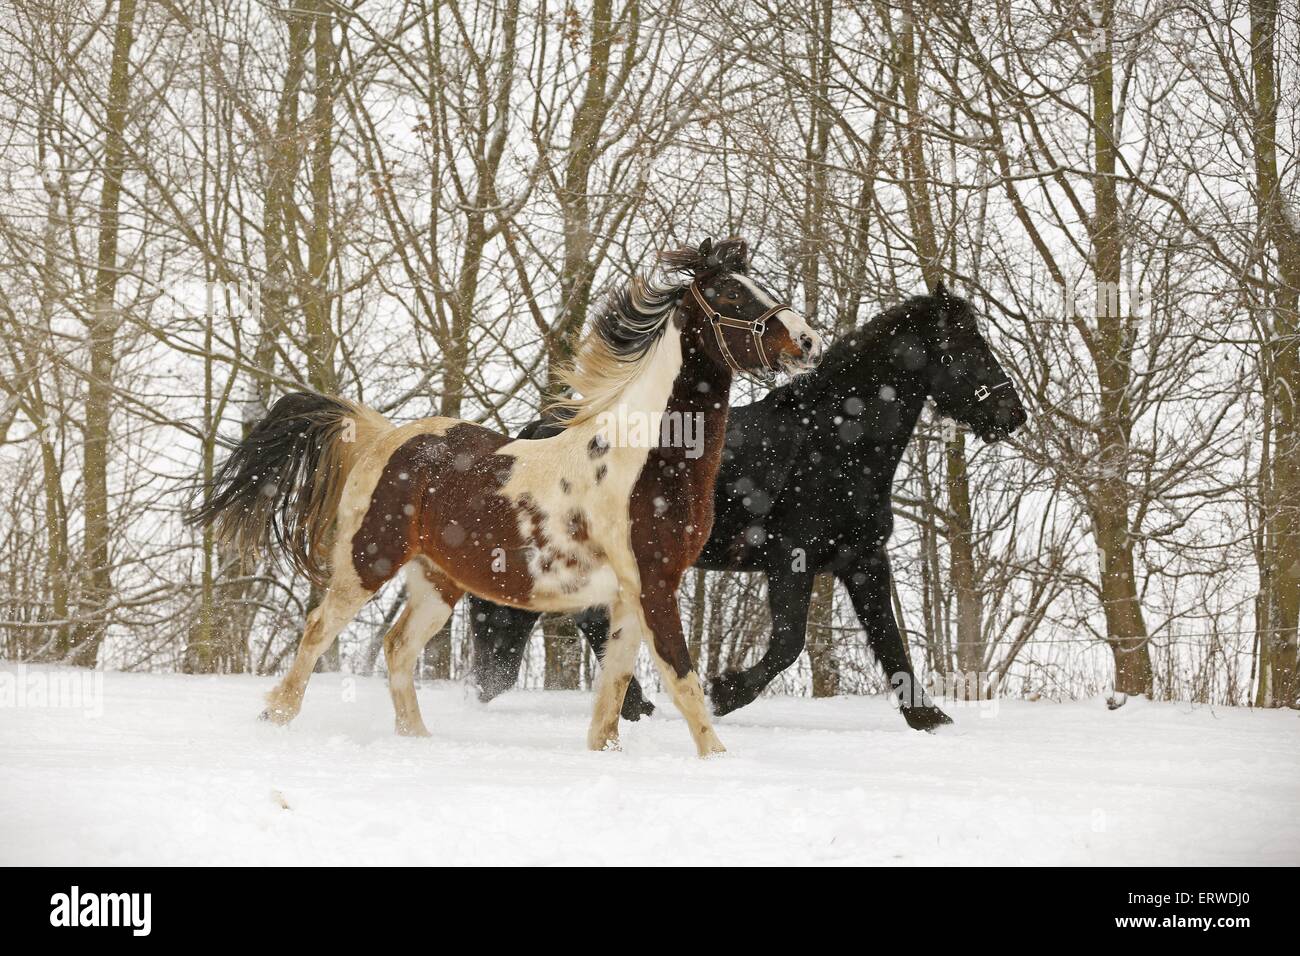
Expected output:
(616, 664)
(594, 624)
(673, 658)
(788, 596)
(868, 587)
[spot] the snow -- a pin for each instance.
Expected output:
(170, 769)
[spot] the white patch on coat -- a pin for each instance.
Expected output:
(540, 463)
(795, 325)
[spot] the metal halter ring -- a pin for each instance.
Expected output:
(983, 391)
(755, 327)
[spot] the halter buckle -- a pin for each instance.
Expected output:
(982, 392)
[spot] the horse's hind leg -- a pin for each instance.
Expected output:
(616, 666)
(500, 637)
(338, 606)
(430, 598)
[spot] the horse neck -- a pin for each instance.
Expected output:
(703, 389)
(866, 380)
(682, 470)
(635, 411)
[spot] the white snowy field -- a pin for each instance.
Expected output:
(153, 769)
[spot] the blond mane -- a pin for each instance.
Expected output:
(612, 354)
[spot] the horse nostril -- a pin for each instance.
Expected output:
(806, 343)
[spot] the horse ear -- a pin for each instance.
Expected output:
(941, 291)
(705, 248)
(734, 254)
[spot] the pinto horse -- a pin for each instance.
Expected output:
(556, 524)
(805, 487)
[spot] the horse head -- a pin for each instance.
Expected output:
(734, 319)
(966, 380)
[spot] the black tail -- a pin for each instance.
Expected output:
(283, 481)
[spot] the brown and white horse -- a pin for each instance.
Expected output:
(556, 524)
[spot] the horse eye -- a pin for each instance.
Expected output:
(945, 359)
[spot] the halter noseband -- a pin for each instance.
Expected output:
(982, 392)
(755, 327)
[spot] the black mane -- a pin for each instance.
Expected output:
(636, 314)
(849, 348)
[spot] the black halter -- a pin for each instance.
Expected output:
(755, 327)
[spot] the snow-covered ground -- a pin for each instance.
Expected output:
(169, 769)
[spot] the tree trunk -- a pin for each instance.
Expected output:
(316, 300)
(1281, 226)
(563, 665)
(695, 634)
(56, 513)
(821, 646)
(494, 128)
(958, 524)
(200, 644)
(1112, 354)
(436, 659)
(579, 268)
(714, 637)
(970, 634)
(560, 637)
(97, 584)
(821, 635)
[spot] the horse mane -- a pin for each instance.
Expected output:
(633, 319)
(848, 348)
(859, 341)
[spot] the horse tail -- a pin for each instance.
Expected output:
(283, 481)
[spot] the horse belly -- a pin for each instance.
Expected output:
(563, 592)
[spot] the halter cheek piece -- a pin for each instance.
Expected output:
(982, 392)
(755, 327)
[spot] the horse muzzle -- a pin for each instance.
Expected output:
(811, 345)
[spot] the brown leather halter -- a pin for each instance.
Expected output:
(755, 327)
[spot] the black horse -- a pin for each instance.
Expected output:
(832, 439)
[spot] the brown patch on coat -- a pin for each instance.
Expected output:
(667, 542)
(576, 524)
(439, 496)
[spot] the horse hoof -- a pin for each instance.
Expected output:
(726, 693)
(636, 709)
(488, 689)
(925, 717)
(413, 730)
(711, 748)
